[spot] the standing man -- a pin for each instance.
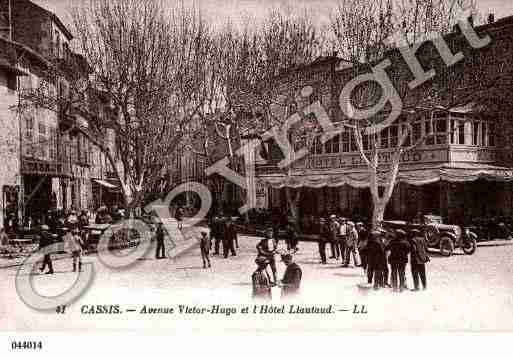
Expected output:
(160, 236)
(324, 237)
(73, 245)
(45, 239)
(291, 281)
(179, 217)
(219, 233)
(351, 241)
(362, 244)
(264, 250)
(342, 237)
(399, 249)
(419, 258)
(376, 261)
(205, 244)
(228, 238)
(260, 280)
(334, 230)
(213, 226)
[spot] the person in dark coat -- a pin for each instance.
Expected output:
(45, 239)
(362, 244)
(399, 248)
(264, 250)
(376, 259)
(260, 280)
(419, 258)
(160, 236)
(291, 282)
(219, 225)
(324, 237)
(229, 237)
(205, 244)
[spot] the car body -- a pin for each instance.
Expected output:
(446, 237)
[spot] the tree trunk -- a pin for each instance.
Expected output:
(378, 213)
(293, 203)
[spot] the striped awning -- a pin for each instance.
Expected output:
(417, 177)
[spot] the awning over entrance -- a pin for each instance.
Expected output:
(417, 177)
(105, 183)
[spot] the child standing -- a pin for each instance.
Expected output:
(205, 245)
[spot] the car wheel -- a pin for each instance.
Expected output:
(446, 246)
(469, 245)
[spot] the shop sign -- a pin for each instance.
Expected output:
(340, 161)
(473, 155)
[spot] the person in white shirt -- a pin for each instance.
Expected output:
(342, 237)
(73, 245)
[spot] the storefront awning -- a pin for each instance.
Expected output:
(104, 183)
(418, 177)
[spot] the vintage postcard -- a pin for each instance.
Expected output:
(256, 166)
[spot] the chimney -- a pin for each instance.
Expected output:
(491, 18)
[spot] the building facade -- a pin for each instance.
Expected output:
(462, 171)
(46, 164)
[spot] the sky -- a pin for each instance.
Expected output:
(221, 10)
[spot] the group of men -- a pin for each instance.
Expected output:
(343, 237)
(262, 283)
(393, 247)
(223, 230)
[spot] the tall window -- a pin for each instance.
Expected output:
(42, 141)
(484, 134)
(441, 131)
(491, 134)
(345, 141)
(461, 132)
(332, 145)
(53, 143)
(416, 131)
(57, 44)
(384, 137)
(393, 136)
(28, 144)
(428, 130)
(475, 133)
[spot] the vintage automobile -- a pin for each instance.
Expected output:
(445, 237)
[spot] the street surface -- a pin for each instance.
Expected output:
(465, 293)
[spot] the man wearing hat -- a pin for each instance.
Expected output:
(419, 258)
(334, 229)
(229, 238)
(260, 280)
(350, 247)
(399, 249)
(324, 237)
(291, 281)
(376, 260)
(73, 245)
(264, 250)
(362, 244)
(45, 239)
(342, 237)
(160, 236)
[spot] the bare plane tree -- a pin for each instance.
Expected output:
(362, 31)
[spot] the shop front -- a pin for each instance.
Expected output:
(460, 184)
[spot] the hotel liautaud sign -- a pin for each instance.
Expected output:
(418, 156)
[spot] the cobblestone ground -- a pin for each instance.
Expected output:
(465, 293)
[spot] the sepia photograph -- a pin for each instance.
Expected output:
(255, 166)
